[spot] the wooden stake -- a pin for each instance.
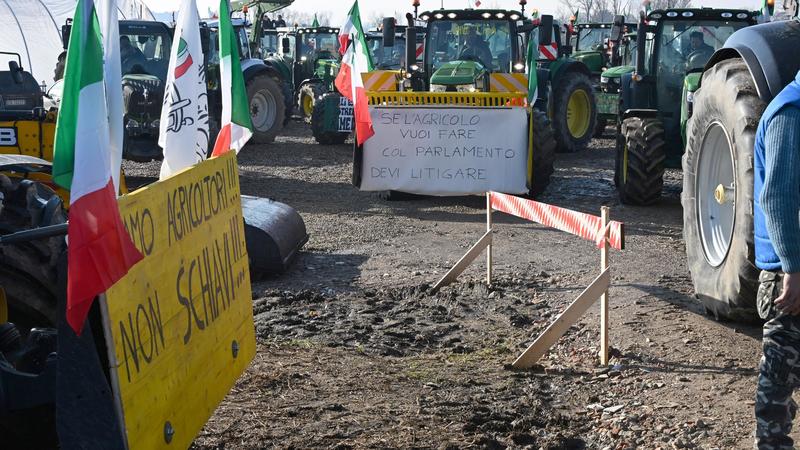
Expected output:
(488, 230)
(566, 319)
(465, 261)
(604, 216)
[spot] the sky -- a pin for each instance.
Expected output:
(339, 8)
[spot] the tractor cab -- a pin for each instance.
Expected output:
(387, 57)
(592, 44)
(313, 52)
(20, 94)
(463, 47)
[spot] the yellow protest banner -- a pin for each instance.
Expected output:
(181, 321)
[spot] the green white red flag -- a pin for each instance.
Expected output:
(355, 61)
(100, 251)
(237, 126)
(184, 116)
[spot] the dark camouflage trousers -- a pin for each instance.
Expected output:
(779, 372)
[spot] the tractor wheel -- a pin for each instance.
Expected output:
(318, 122)
(600, 128)
(309, 94)
(573, 111)
(544, 153)
(640, 158)
(267, 108)
(28, 270)
(718, 191)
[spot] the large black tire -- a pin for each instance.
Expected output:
(288, 101)
(311, 93)
(544, 153)
(728, 98)
(571, 84)
(641, 181)
(29, 270)
(267, 108)
(318, 122)
(600, 128)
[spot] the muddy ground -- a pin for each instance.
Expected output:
(355, 351)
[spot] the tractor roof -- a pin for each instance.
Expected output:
(310, 30)
(603, 25)
(214, 23)
(470, 14)
(693, 14)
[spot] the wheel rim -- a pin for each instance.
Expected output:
(715, 192)
(308, 105)
(263, 110)
(578, 108)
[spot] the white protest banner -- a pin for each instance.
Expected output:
(446, 151)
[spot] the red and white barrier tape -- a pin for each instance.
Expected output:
(583, 225)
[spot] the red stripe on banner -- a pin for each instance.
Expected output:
(586, 226)
(223, 143)
(100, 251)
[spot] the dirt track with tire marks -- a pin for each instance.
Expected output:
(354, 351)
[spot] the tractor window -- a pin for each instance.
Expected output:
(319, 45)
(244, 43)
(386, 58)
(145, 54)
(487, 42)
(591, 38)
(269, 44)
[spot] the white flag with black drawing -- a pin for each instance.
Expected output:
(183, 132)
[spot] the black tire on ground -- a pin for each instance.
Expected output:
(728, 98)
(600, 128)
(559, 102)
(29, 270)
(643, 181)
(318, 122)
(267, 108)
(544, 153)
(313, 91)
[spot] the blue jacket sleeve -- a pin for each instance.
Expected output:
(780, 197)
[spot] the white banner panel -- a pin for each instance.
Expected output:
(446, 151)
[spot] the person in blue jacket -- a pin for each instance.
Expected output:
(777, 245)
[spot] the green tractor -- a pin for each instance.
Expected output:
(593, 45)
(598, 45)
(672, 47)
(738, 83)
(608, 97)
(566, 91)
(310, 58)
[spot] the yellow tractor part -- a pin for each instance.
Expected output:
(381, 80)
(3, 306)
(474, 99)
(578, 113)
(308, 106)
(36, 138)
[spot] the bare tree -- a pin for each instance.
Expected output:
(666, 4)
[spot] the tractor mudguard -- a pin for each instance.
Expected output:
(770, 52)
(564, 66)
(280, 66)
(274, 234)
(252, 68)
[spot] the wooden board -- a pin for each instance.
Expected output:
(465, 261)
(564, 320)
(177, 316)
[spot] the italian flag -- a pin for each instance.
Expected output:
(355, 61)
(100, 251)
(533, 80)
(236, 124)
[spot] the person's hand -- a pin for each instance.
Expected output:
(789, 301)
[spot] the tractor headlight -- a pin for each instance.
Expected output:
(604, 80)
(438, 88)
(133, 127)
(690, 97)
(155, 125)
(466, 88)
